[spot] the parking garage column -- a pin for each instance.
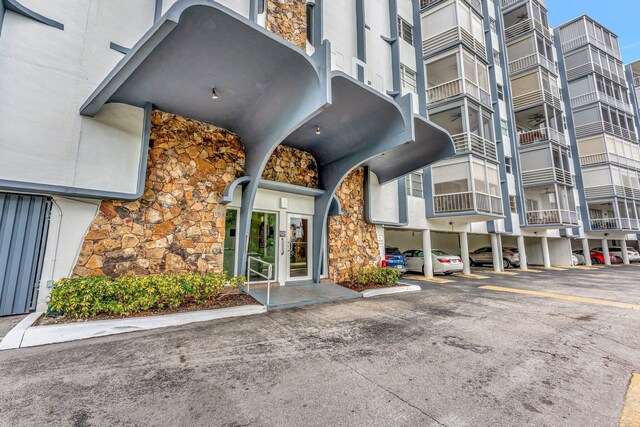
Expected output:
(522, 251)
(546, 259)
(623, 249)
(464, 253)
(586, 251)
(426, 249)
(605, 251)
(497, 254)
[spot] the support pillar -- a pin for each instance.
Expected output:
(605, 251)
(497, 253)
(426, 249)
(522, 252)
(464, 253)
(546, 259)
(586, 251)
(625, 254)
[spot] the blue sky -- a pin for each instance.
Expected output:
(620, 16)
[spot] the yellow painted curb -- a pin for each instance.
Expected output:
(631, 410)
(434, 280)
(472, 276)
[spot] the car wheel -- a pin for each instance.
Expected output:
(471, 263)
(448, 273)
(423, 270)
(618, 260)
(595, 261)
(505, 263)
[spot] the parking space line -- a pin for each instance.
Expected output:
(506, 273)
(472, 276)
(631, 410)
(565, 297)
(530, 270)
(425, 279)
(584, 267)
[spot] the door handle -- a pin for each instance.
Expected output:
(282, 242)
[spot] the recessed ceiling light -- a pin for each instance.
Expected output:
(214, 94)
(318, 130)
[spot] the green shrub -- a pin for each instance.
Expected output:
(378, 276)
(90, 296)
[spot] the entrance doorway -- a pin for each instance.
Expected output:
(262, 243)
(299, 261)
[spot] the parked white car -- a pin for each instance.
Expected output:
(616, 251)
(443, 262)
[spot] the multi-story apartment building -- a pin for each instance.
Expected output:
(301, 136)
(604, 124)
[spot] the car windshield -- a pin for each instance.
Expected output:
(438, 252)
(510, 249)
(392, 251)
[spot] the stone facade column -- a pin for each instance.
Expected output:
(605, 251)
(625, 254)
(497, 253)
(522, 252)
(426, 249)
(546, 259)
(464, 253)
(586, 251)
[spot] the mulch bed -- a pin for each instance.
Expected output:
(223, 301)
(357, 287)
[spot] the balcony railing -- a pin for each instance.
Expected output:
(552, 216)
(605, 127)
(468, 142)
(446, 90)
(541, 135)
(536, 97)
(451, 36)
(584, 69)
(540, 176)
(477, 92)
(609, 190)
(604, 157)
(614, 224)
(595, 96)
(476, 4)
(507, 3)
(587, 39)
(467, 202)
(526, 26)
(532, 61)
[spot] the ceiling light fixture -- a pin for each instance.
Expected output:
(318, 130)
(214, 95)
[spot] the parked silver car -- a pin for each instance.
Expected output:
(484, 255)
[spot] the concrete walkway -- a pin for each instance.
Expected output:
(302, 294)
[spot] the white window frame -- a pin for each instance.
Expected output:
(405, 30)
(415, 185)
(408, 79)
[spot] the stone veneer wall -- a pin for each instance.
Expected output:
(178, 218)
(353, 243)
(288, 19)
(292, 166)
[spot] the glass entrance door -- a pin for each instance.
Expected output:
(262, 243)
(299, 265)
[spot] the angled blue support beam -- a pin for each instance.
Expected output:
(118, 48)
(16, 7)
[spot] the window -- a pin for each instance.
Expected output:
(505, 127)
(492, 22)
(500, 92)
(414, 184)
(512, 204)
(496, 57)
(408, 78)
(507, 164)
(405, 31)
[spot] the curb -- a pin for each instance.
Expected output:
(51, 334)
(388, 291)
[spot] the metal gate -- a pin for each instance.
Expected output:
(24, 221)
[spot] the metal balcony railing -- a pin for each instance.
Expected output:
(451, 36)
(526, 26)
(468, 142)
(476, 4)
(446, 90)
(605, 127)
(610, 190)
(536, 97)
(507, 3)
(544, 175)
(604, 157)
(614, 224)
(588, 39)
(552, 216)
(532, 61)
(584, 69)
(467, 202)
(595, 96)
(541, 135)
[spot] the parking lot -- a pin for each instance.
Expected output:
(467, 351)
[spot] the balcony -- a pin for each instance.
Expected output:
(583, 70)
(604, 158)
(552, 217)
(532, 61)
(636, 81)
(468, 142)
(610, 190)
(587, 39)
(614, 224)
(536, 97)
(606, 127)
(525, 26)
(596, 96)
(541, 135)
(459, 87)
(452, 36)
(508, 3)
(467, 202)
(476, 4)
(546, 175)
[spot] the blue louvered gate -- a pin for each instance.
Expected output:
(24, 221)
